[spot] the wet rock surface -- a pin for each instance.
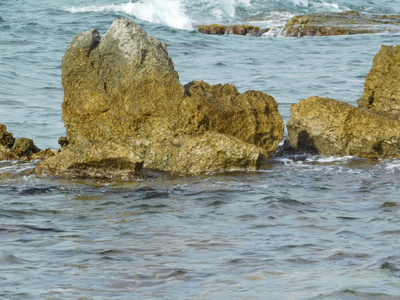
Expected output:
(342, 23)
(217, 29)
(124, 109)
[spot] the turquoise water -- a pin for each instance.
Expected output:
(303, 227)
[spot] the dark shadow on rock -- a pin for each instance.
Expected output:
(306, 143)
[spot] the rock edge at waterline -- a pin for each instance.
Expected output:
(124, 109)
(19, 149)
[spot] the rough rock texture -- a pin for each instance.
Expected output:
(124, 108)
(19, 149)
(382, 86)
(217, 29)
(342, 23)
(330, 127)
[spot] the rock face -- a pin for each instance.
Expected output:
(124, 108)
(382, 86)
(19, 149)
(330, 127)
(342, 23)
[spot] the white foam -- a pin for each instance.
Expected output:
(170, 13)
(323, 5)
(392, 165)
(330, 159)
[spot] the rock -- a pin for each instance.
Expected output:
(43, 154)
(330, 127)
(124, 108)
(63, 142)
(207, 152)
(6, 139)
(6, 142)
(24, 147)
(216, 29)
(382, 86)
(342, 23)
(20, 149)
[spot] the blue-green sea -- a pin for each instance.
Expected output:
(302, 227)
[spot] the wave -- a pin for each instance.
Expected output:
(186, 14)
(170, 13)
(326, 6)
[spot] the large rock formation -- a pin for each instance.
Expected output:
(382, 86)
(342, 23)
(330, 127)
(124, 108)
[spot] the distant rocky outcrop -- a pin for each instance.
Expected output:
(340, 23)
(124, 109)
(217, 29)
(382, 86)
(372, 130)
(19, 149)
(317, 24)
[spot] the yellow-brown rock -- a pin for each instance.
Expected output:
(217, 29)
(382, 86)
(340, 23)
(124, 108)
(330, 127)
(19, 149)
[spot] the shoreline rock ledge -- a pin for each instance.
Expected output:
(124, 109)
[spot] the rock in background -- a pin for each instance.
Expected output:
(124, 108)
(19, 149)
(217, 29)
(340, 23)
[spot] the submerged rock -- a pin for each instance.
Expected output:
(124, 108)
(341, 23)
(382, 86)
(330, 127)
(216, 29)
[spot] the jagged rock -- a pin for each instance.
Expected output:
(217, 29)
(6, 139)
(330, 127)
(124, 108)
(382, 86)
(342, 23)
(63, 142)
(24, 147)
(20, 149)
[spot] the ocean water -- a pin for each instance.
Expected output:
(302, 227)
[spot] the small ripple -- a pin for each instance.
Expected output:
(351, 294)
(33, 191)
(20, 229)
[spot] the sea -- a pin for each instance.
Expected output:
(301, 227)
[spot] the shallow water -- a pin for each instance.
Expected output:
(303, 227)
